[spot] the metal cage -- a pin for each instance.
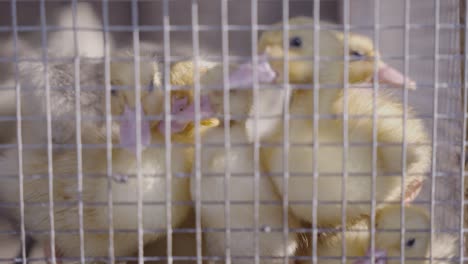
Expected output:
(425, 39)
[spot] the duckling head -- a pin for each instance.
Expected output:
(331, 51)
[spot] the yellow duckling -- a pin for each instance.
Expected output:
(388, 240)
(241, 163)
(331, 163)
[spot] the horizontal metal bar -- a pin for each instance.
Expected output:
(246, 28)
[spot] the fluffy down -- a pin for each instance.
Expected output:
(359, 163)
(97, 185)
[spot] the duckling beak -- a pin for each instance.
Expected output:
(380, 258)
(390, 75)
(242, 78)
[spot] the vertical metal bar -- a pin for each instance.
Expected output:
(404, 143)
(136, 61)
(19, 133)
(374, 125)
(462, 21)
(316, 117)
(79, 151)
(435, 112)
(197, 163)
(227, 128)
(50, 170)
(286, 118)
(167, 119)
(107, 83)
(464, 36)
(256, 143)
(346, 25)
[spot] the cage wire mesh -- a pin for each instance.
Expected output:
(419, 37)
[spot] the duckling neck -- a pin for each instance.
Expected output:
(327, 97)
(303, 101)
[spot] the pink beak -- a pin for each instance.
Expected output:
(243, 76)
(390, 75)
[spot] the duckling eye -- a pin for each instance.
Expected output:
(410, 242)
(113, 92)
(358, 55)
(295, 42)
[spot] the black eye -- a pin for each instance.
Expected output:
(295, 42)
(357, 55)
(410, 242)
(113, 92)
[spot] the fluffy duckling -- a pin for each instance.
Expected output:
(97, 186)
(330, 160)
(241, 163)
(387, 240)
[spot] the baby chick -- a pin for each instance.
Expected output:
(330, 161)
(387, 240)
(241, 163)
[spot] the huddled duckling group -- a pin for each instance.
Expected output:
(341, 147)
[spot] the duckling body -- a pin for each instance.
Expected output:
(240, 188)
(359, 163)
